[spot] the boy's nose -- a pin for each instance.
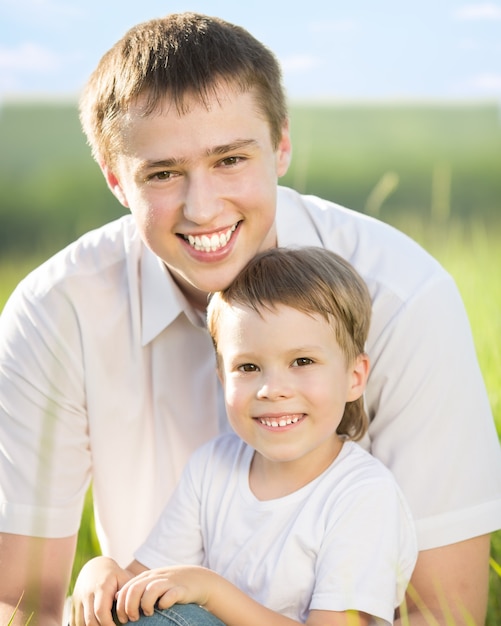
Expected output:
(274, 387)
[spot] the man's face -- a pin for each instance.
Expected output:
(201, 186)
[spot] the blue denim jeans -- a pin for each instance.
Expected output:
(179, 615)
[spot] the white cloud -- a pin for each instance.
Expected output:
(479, 11)
(43, 16)
(67, 9)
(43, 8)
(299, 62)
(490, 82)
(28, 57)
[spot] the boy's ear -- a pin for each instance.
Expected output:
(359, 374)
(114, 184)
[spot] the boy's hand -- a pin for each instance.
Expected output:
(95, 591)
(165, 585)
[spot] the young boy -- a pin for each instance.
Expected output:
(107, 370)
(287, 520)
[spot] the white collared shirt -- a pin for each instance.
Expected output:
(107, 374)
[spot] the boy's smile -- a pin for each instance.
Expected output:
(286, 383)
(280, 421)
(202, 186)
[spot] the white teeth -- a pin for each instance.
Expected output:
(212, 243)
(282, 422)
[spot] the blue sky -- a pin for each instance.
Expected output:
(329, 49)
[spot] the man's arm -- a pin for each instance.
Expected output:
(451, 584)
(37, 572)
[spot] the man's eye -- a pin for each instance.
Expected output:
(248, 367)
(165, 175)
(161, 175)
(302, 361)
(232, 160)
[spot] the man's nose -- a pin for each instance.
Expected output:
(202, 203)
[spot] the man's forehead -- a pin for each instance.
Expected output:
(217, 96)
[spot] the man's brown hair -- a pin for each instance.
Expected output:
(184, 54)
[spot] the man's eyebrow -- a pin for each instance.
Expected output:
(215, 151)
(164, 163)
(231, 147)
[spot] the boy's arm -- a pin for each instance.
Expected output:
(164, 587)
(36, 573)
(449, 584)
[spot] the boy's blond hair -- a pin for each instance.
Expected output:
(314, 281)
(180, 55)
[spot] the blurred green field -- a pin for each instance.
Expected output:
(434, 171)
(345, 150)
(436, 158)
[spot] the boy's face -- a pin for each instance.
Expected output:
(286, 383)
(201, 186)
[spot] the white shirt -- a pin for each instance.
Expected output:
(344, 541)
(107, 374)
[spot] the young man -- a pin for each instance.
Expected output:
(286, 521)
(108, 371)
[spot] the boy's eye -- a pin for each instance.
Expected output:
(301, 361)
(248, 367)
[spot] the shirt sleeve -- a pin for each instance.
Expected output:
(431, 422)
(368, 552)
(177, 537)
(44, 447)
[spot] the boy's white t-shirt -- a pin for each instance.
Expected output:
(344, 541)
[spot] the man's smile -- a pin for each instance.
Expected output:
(210, 242)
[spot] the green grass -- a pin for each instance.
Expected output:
(342, 151)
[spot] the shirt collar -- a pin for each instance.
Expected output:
(295, 226)
(161, 299)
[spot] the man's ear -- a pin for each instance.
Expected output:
(114, 184)
(359, 374)
(284, 151)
